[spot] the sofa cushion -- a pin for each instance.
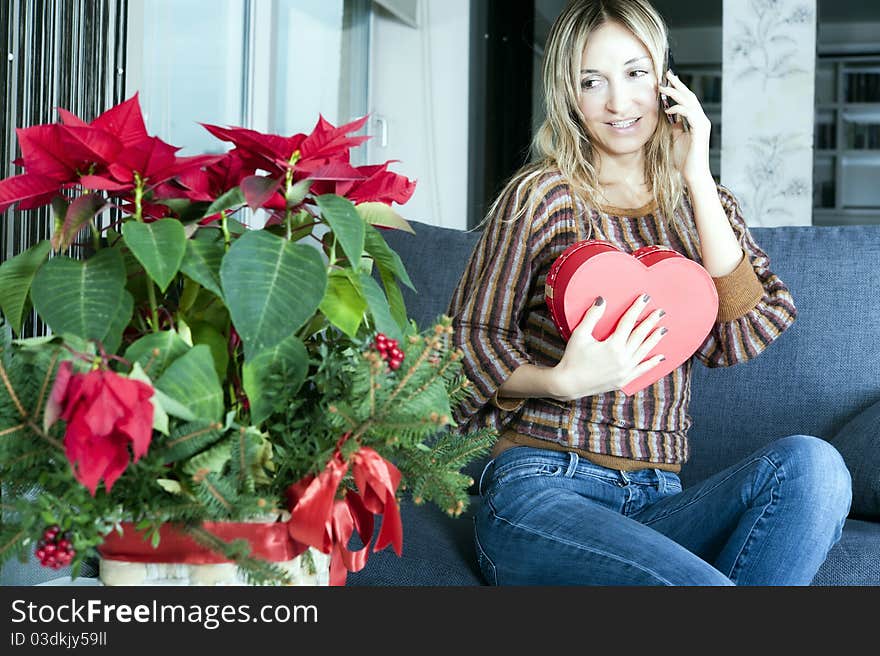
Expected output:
(855, 559)
(819, 373)
(859, 444)
(437, 550)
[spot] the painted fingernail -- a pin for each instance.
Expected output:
(599, 301)
(664, 330)
(646, 298)
(662, 313)
(662, 358)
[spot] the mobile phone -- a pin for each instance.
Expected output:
(668, 64)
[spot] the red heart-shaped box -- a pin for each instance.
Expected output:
(679, 286)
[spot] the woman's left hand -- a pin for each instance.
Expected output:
(690, 148)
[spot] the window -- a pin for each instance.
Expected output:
(270, 65)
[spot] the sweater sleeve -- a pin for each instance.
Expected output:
(754, 305)
(487, 309)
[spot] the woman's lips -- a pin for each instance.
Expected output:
(629, 128)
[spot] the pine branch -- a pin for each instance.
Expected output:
(11, 391)
(189, 439)
(11, 542)
(256, 571)
(243, 463)
(45, 384)
(434, 475)
(215, 491)
(9, 431)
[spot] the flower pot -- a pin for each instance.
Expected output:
(130, 559)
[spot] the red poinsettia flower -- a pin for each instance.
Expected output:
(56, 156)
(273, 153)
(378, 185)
(107, 154)
(208, 183)
(105, 414)
(323, 157)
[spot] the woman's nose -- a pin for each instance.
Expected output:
(617, 99)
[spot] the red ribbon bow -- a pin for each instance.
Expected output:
(320, 520)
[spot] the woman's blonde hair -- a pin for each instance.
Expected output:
(562, 142)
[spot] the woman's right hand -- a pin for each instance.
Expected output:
(590, 366)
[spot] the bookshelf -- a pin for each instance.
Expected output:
(705, 82)
(846, 161)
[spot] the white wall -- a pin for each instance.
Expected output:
(419, 88)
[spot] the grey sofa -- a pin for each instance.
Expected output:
(818, 376)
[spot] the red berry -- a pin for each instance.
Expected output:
(64, 544)
(49, 549)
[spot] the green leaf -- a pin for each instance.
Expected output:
(80, 211)
(172, 407)
(158, 246)
(59, 209)
(385, 256)
(379, 308)
(192, 381)
(201, 262)
(205, 333)
(298, 192)
(271, 286)
(84, 298)
(160, 417)
(231, 198)
(16, 276)
(380, 214)
(259, 189)
(168, 344)
(395, 297)
(346, 223)
(170, 485)
(113, 338)
(343, 304)
(291, 358)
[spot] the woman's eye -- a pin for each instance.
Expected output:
(589, 84)
(638, 73)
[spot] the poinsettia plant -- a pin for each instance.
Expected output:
(225, 339)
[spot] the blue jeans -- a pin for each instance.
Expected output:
(552, 518)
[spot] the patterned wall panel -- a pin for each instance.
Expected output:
(768, 90)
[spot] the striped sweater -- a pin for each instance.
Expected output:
(501, 321)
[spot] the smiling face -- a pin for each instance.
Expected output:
(617, 91)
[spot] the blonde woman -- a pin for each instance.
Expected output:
(582, 487)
